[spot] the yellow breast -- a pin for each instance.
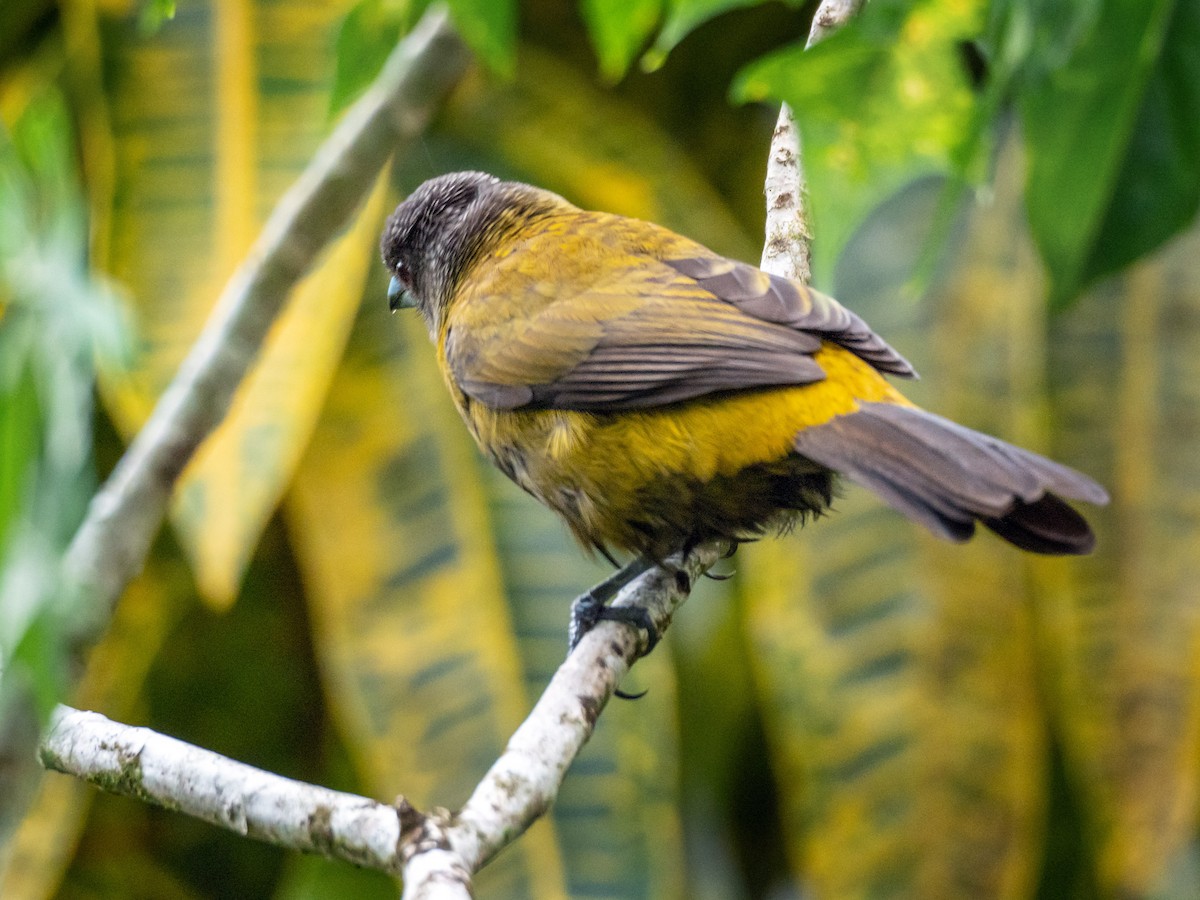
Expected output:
(595, 469)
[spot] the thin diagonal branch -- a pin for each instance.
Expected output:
(122, 520)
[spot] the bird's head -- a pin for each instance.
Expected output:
(440, 230)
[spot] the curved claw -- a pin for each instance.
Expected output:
(621, 695)
(591, 608)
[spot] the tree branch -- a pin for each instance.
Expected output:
(787, 250)
(436, 852)
(523, 782)
(123, 518)
(830, 16)
(149, 766)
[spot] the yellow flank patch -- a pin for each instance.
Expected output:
(721, 435)
(699, 439)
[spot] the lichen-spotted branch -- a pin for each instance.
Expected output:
(141, 763)
(437, 852)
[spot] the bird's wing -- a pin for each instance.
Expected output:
(645, 333)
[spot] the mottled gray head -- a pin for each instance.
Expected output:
(425, 237)
(435, 236)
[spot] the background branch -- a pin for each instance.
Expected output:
(112, 542)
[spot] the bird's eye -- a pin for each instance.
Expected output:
(404, 274)
(400, 288)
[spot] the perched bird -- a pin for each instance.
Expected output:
(657, 395)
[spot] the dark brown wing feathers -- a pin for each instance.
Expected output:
(774, 299)
(652, 337)
(596, 313)
(946, 477)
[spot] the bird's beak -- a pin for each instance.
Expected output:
(399, 297)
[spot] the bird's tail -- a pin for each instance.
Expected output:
(946, 477)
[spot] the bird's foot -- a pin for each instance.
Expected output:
(588, 610)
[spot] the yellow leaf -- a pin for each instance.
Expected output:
(899, 672)
(1128, 631)
(233, 484)
(392, 533)
(239, 101)
(45, 842)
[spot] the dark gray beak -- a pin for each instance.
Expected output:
(399, 297)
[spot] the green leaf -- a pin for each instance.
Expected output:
(1121, 396)
(490, 29)
(685, 16)
(154, 14)
(55, 316)
(1034, 37)
(19, 427)
(619, 29)
(880, 103)
(368, 34)
(1080, 134)
(1158, 189)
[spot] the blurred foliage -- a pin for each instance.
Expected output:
(1115, 128)
(902, 64)
(862, 711)
(57, 319)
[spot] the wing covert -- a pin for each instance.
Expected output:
(774, 299)
(641, 332)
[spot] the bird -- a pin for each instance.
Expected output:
(657, 395)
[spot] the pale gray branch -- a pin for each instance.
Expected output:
(787, 250)
(141, 763)
(524, 781)
(830, 16)
(437, 852)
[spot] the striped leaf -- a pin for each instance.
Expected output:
(1125, 405)
(239, 105)
(390, 524)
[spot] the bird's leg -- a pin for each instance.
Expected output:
(592, 607)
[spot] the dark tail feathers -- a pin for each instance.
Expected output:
(946, 476)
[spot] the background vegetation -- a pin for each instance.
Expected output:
(1007, 190)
